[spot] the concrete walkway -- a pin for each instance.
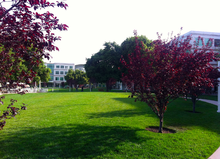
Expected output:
(216, 154)
(209, 101)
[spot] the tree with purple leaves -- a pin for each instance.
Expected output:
(25, 36)
(159, 75)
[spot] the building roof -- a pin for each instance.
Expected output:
(202, 33)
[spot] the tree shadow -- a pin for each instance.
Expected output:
(119, 113)
(67, 141)
(57, 106)
(179, 115)
(138, 105)
(139, 109)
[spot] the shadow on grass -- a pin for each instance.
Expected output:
(74, 105)
(119, 113)
(138, 105)
(177, 114)
(140, 109)
(68, 141)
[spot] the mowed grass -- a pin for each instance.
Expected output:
(209, 97)
(106, 125)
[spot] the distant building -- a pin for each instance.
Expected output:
(206, 36)
(59, 70)
(80, 67)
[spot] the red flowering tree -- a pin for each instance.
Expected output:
(25, 36)
(159, 75)
(201, 75)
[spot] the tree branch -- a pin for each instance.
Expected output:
(15, 5)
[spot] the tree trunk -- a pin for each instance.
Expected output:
(76, 88)
(161, 125)
(82, 88)
(90, 86)
(194, 103)
(107, 87)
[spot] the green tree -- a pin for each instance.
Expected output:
(128, 45)
(43, 73)
(76, 77)
(102, 67)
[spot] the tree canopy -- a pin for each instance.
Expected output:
(25, 36)
(43, 73)
(157, 76)
(76, 78)
(103, 66)
(28, 35)
(128, 45)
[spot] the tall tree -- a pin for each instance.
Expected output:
(103, 66)
(22, 28)
(164, 71)
(128, 45)
(76, 77)
(206, 78)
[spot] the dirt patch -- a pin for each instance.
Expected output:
(156, 129)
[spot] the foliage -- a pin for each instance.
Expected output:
(25, 36)
(10, 112)
(102, 67)
(199, 70)
(129, 45)
(76, 77)
(167, 70)
(43, 73)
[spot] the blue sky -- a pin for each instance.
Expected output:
(93, 22)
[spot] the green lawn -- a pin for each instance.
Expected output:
(210, 97)
(106, 125)
(79, 90)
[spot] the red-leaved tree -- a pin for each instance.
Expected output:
(25, 36)
(157, 76)
(200, 70)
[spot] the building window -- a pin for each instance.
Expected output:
(207, 40)
(65, 72)
(51, 78)
(51, 66)
(61, 72)
(200, 41)
(61, 78)
(62, 66)
(57, 72)
(57, 66)
(71, 67)
(66, 67)
(217, 42)
(57, 79)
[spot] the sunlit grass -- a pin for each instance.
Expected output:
(106, 125)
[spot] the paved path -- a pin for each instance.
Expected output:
(209, 101)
